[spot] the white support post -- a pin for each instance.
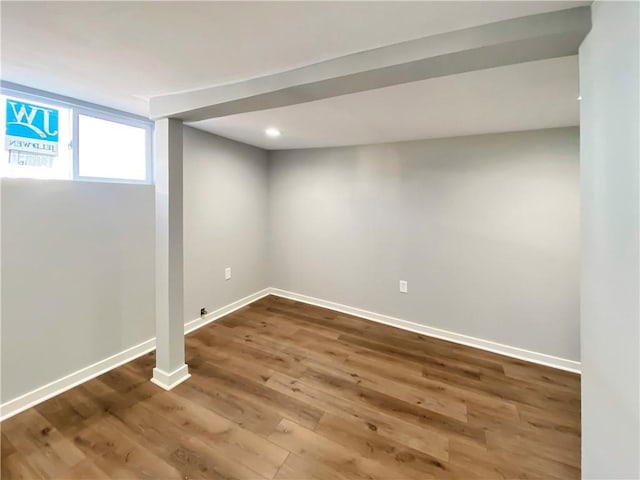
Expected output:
(171, 368)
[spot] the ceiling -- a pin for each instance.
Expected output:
(527, 96)
(119, 54)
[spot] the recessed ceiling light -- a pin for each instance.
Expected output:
(579, 97)
(272, 132)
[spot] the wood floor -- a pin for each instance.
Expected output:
(285, 390)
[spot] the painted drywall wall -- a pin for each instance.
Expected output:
(77, 276)
(485, 229)
(78, 262)
(610, 212)
(463, 220)
(225, 221)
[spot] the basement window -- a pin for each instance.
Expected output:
(45, 136)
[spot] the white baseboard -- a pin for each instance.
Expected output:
(40, 394)
(519, 353)
(34, 397)
(226, 310)
(170, 380)
(30, 399)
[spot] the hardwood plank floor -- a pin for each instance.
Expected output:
(284, 390)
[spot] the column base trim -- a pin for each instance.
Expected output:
(170, 380)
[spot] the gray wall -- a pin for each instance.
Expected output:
(225, 221)
(485, 229)
(610, 156)
(78, 262)
(77, 277)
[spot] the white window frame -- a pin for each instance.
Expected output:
(78, 107)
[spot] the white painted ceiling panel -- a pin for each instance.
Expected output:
(119, 54)
(527, 96)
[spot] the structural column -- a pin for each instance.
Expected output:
(170, 366)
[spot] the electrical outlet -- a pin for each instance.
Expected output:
(227, 273)
(203, 311)
(404, 286)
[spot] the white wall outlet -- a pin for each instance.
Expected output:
(404, 286)
(227, 273)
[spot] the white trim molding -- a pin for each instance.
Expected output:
(514, 352)
(226, 310)
(40, 394)
(34, 397)
(172, 379)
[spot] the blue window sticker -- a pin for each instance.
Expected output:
(31, 128)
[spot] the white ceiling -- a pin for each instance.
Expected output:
(527, 96)
(120, 53)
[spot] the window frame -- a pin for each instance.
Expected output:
(78, 107)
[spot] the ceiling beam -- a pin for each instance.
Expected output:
(524, 39)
